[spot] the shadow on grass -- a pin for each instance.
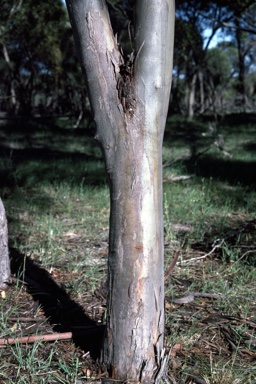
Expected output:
(234, 241)
(31, 153)
(231, 171)
(64, 314)
(198, 137)
(250, 147)
(28, 167)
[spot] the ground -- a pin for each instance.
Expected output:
(54, 189)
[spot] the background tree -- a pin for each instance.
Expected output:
(190, 49)
(41, 75)
(244, 38)
(218, 73)
(5, 272)
(37, 63)
(187, 58)
(194, 19)
(129, 97)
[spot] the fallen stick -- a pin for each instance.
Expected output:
(31, 339)
(171, 266)
(204, 256)
(240, 258)
(191, 296)
(27, 319)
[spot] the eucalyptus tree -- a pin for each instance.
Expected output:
(129, 97)
(219, 75)
(241, 26)
(236, 18)
(194, 18)
(190, 49)
(4, 254)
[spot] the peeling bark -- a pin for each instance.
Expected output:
(129, 101)
(4, 254)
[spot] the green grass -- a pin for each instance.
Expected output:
(53, 185)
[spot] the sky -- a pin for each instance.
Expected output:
(218, 37)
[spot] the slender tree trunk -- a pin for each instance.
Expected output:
(192, 96)
(129, 102)
(213, 97)
(4, 254)
(201, 88)
(12, 88)
(241, 64)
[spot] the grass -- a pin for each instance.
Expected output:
(53, 185)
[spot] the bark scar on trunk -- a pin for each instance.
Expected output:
(125, 86)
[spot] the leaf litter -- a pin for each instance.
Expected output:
(202, 332)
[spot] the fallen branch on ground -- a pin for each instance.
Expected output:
(240, 258)
(171, 266)
(177, 178)
(191, 296)
(204, 256)
(31, 339)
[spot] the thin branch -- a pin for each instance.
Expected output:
(204, 256)
(191, 296)
(172, 265)
(31, 339)
(240, 258)
(231, 26)
(226, 24)
(177, 178)
(5, 341)
(26, 319)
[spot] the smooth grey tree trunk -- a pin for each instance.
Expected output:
(129, 101)
(4, 254)
(201, 89)
(192, 95)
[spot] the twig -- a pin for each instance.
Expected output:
(26, 319)
(171, 266)
(240, 258)
(174, 261)
(31, 339)
(204, 256)
(191, 296)
(77, 331)
(177, 178)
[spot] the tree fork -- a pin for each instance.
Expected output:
(129, 102)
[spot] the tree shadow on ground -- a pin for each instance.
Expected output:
(232, 171)
(203, 145)
(30, 167)
(64, 314)
(250, 147)
(233, 240)
(48, 154)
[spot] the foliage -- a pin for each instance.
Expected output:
(38, 43)
(236, 19)
(218, 66)
(41, 74)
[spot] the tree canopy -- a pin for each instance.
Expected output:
(40, 74)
